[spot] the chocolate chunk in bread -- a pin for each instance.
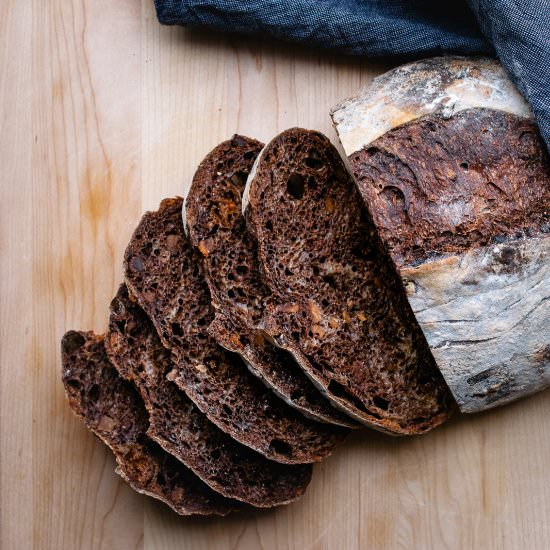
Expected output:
(164, 272)
(114, 412)
(218, 229)
(449, 160)
(339, 307)
(181, 429)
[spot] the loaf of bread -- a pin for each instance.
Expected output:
(337, 304)
(112, 410)
(218, 230)
(449, 160)
(181, 429)
(165, 274)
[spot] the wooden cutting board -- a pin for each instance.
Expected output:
(104, 113)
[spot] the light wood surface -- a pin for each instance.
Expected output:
(103, 113)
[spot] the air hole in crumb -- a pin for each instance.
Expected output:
(72, 341)
(314, 160)
(296, 394)
(75, 384)
(339, 390)
(464, 165)
(269, 225)
(215, 454)
(295, 335)
(295, 186)
(226, 409)
(329, 279)
(380, 402)
(94, 392)
(176, 329)
(241, 269)
(280, 447)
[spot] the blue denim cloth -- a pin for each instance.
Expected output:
(517, 31)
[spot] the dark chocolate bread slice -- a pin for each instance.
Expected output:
(339, 306)
(218, 229)
(181, 429)
(114, 412)
(164, 272)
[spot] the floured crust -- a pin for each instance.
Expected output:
(485, 314)
(440, 85)
(164, 273)
(338, 305)
(113, 411)
(218, 230)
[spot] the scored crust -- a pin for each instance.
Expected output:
(338, 304)
(114, 412)
(218, 230)
(181, 429)
(164, 272)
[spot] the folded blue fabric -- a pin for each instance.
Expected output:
(517, 31)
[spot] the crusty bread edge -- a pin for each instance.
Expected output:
(444, 85)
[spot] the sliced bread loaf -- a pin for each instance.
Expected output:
(164, 272)
(339, 306)
(112, 410)
(218, 229)
(181, 429)
(448, 158)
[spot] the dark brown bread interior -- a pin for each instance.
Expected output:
(112, 410)
(340, 306)
(181, 429)
(218, 229)
(439, 186)
(164, 273)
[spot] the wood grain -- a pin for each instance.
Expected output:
(104, 113)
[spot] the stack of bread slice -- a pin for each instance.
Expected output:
(258, 323)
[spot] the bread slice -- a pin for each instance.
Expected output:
(114, 412)
(181, 429)
(447, 155)
(218, 229)
(339, 308)
(164, 272)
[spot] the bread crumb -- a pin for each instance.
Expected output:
(315, 312)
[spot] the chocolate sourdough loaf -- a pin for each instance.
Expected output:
(164, 272)
(449, 160)
(181, 429)
(338, 305)
(114, 412)
(218, 229)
